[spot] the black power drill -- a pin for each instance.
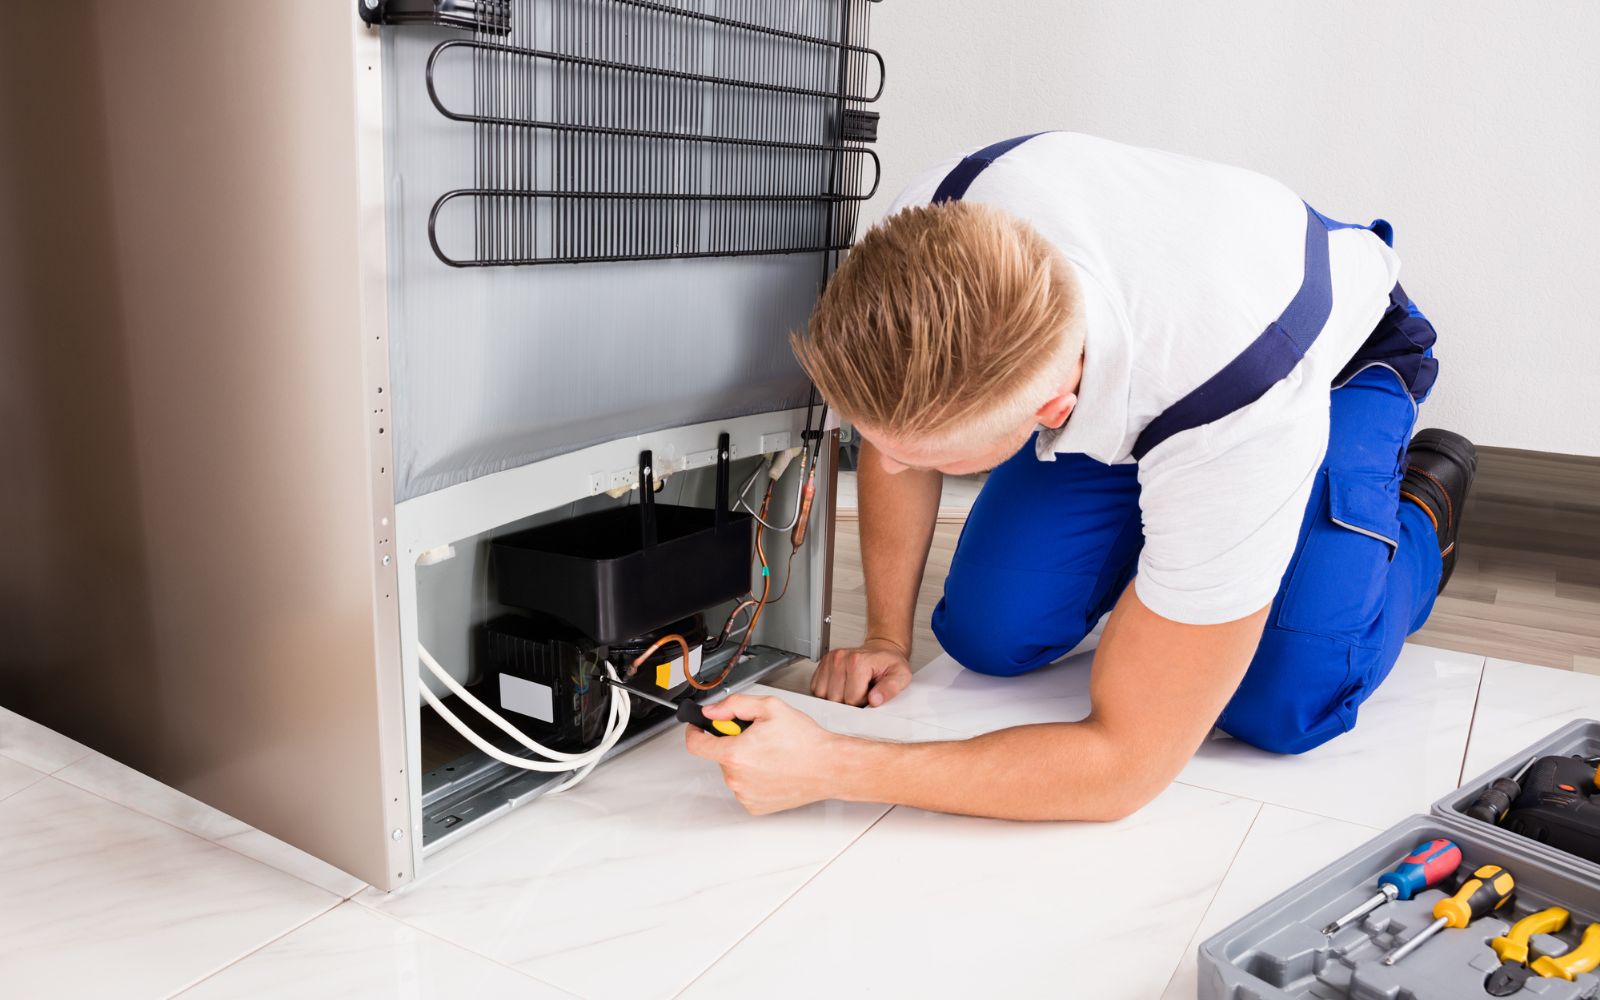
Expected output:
(1555, 802)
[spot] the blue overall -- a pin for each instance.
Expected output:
(1049, 547)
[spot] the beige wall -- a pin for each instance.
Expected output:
(1473, 126)
(190, 573)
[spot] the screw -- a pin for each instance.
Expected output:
(386, 560)
(371, 5)
(827, 619)
(647, 470)
(398, 834)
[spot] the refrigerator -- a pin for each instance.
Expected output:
(305, 306)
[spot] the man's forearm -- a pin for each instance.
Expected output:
(898, 513)
(1059, 771)
(1157, 688)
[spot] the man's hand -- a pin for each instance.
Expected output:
(870, 674)
(784, 760)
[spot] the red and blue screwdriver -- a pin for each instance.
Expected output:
(1425, 867)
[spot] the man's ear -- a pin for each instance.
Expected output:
(1056, 410)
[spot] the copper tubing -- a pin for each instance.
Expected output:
(683, 644)
(798, 537)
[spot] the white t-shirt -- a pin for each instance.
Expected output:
(1182, 263)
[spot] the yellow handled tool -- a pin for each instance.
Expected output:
(689, 711)
(1580, 959)
(1487, 890)
(1512, 948)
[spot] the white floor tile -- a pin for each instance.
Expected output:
(37, 746)
(14, 777)
(930, 905)
(351, 953)
(1405, 751)
(1521, 704)
(635, 882)
(945, 694)
(1283, 847)
(102, 901)
(122, 784)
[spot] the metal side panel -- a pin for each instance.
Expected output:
(199, 580)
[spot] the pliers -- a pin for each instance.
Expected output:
(1512, 947)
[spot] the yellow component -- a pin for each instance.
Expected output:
(726, 727)
(1456, 911)
(1513, 947)
(1580, 959)
(664, 675)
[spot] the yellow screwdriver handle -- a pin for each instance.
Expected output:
(1487, 890)
(1513, 947)
(1580, 959)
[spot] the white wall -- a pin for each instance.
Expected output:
(1473, 127)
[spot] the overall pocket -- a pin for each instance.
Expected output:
(1338, 578)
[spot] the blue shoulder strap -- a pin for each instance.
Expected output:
(957, 181)
(1268, 359)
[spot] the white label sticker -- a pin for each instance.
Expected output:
(527, 697)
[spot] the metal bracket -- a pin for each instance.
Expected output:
(489, 16)
(860, 125)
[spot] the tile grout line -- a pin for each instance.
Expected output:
(1472, 723)
(470, 951)
(1279, 805)
(265, 944)
(784, 902)
(19, 791)
(413, 928)
(53, 771)
(1214, 892)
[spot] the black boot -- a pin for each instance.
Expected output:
(1439, 470)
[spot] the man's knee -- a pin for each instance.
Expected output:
(1300, 692)
(1000, 639)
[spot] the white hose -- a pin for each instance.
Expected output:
(488, 713)
(617, 721)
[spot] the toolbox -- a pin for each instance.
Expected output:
(1279, 950)
(1580, 737)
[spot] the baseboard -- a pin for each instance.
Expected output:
(1528, 500)
(1535, 501)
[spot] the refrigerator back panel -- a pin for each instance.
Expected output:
(608, 220)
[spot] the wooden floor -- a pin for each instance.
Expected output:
(1526, 585)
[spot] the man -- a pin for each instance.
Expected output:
(1197, 396)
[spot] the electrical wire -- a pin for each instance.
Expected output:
(495, 718)
(621, 711)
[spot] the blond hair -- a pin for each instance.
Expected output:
(946, 323)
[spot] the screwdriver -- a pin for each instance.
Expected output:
(1486, 891)
(689, 711)
(1426, 866)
